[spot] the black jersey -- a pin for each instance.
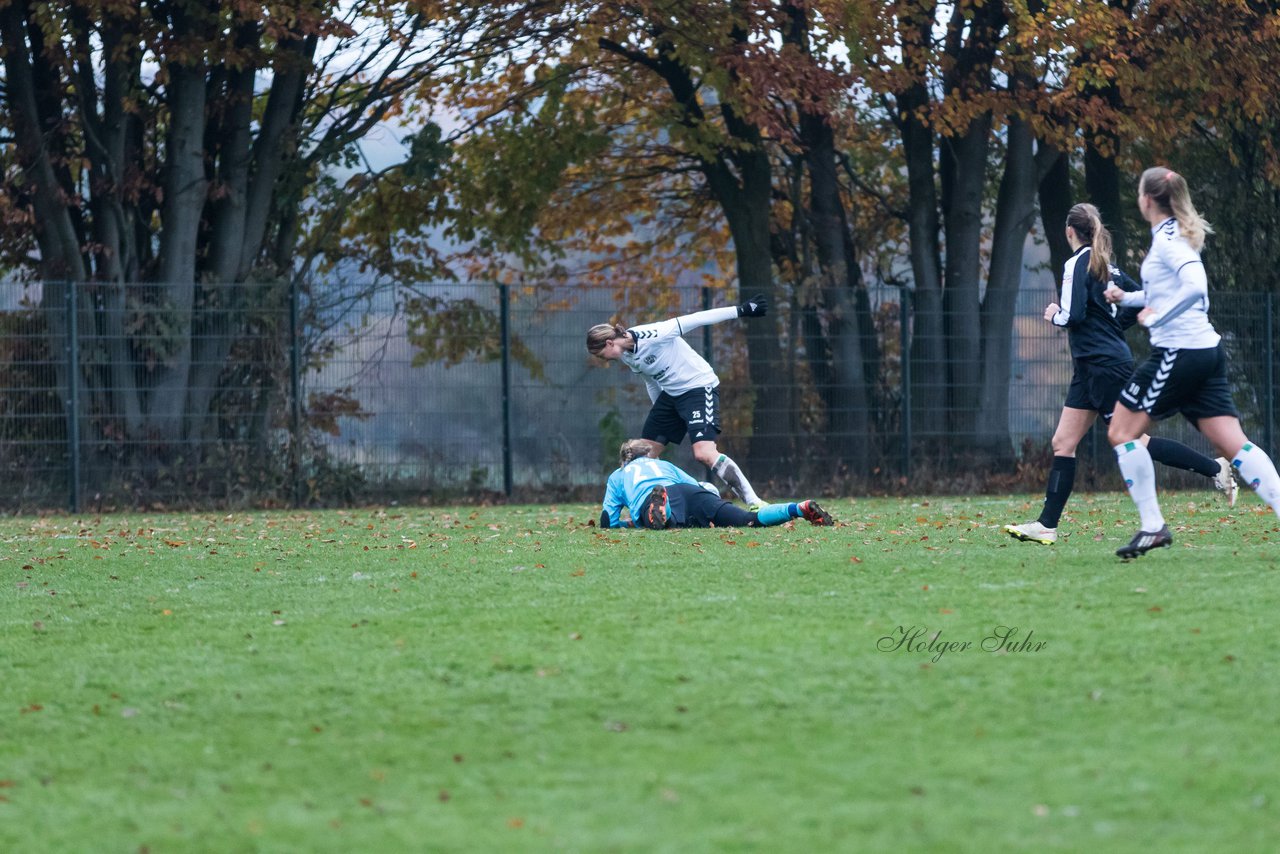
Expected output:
(1095, 327)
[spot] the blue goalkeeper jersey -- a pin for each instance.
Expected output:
(631, 485)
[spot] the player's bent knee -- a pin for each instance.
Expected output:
(707, 454)
(1118, 436)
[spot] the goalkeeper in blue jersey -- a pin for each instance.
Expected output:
(658, 494)
(682, 386)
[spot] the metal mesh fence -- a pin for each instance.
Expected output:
(256, 395)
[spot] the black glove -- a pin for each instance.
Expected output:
(757, 306)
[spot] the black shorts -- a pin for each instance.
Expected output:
(1193, 382)
(691, 506)
(1096, 387)
(694, 412)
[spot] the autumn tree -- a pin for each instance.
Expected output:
(171, 153)
(656, 131)
(962, 84)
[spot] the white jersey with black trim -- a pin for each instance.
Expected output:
(665, 359)
(1176, 288)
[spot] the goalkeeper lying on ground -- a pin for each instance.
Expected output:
(660, 495)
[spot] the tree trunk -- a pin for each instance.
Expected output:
(55, 226)
(961, 298)
(848, 401)
(185, 191)
(1055, 204)
(1102, 183)
(972, 36)
(1015, 212)
(218, 318)
(111, 148)
(60, 256)
(747, 210)
(271, 149)
(928, 345)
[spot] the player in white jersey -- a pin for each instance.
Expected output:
(1187, 369)
(682, 386)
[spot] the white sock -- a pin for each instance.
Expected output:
(1258, 471)
(1140, 477)
(728, 471)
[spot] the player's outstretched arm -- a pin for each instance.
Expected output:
(757, 306)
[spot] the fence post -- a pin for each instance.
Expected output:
(504, 314)
(904, 345)
(73, 395)
(295, 397)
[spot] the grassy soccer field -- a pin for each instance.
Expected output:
(487, 679)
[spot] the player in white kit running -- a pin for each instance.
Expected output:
(1187, 369)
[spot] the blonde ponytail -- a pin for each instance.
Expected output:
(1169, 191)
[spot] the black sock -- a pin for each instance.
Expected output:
(1179, 456)
(1062, 477)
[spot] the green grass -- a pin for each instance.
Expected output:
(513, 679)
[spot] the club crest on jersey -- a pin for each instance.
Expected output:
(649, 360)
